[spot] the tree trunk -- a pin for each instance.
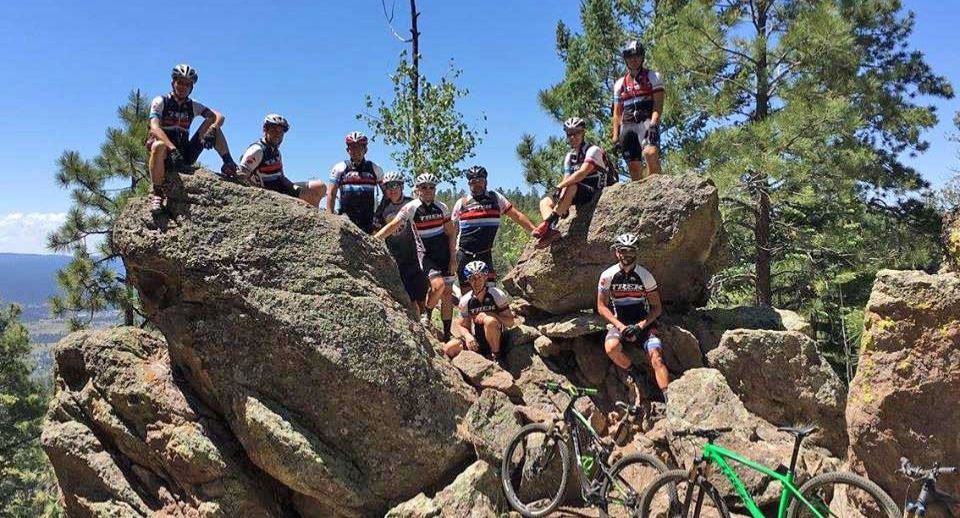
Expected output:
(759, 182)
(415, 87)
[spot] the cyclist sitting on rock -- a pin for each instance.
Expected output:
(170, 143)
(585, 173)
(484, 314)
(262, 165)
(437, 237)
(637, 107)
(356, 180)
(628, 298)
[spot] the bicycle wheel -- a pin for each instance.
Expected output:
(534, 471)
(628, 478)
(672, 495)
(843, 495)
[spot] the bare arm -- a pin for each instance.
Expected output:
(459, 328)
(332, 197)
(617, 117)
(657, 108)
(656, 309)
(578, 176)
(213, 119)
(520, 218)
(389, 228)
(506, 317)
(159, 134)
(451, 229)
(605, 312)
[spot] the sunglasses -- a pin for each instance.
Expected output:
(625, 250)
(572, 133)
(393, 185)
(427, 187)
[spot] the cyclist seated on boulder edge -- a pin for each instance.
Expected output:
(355, 180)
(478, 218)
(629, 300)
(170, 143)
(637, 108)
(585, 174)
(262, 165)
(484, 314)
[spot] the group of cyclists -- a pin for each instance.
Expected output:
(434, 244)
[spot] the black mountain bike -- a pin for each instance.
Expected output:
(536, 464)
(930, 497)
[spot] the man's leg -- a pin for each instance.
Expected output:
(492, 331)
(437, 287)
(546, 207)
(313, 191)
(566, 199)
(446, 306)
(158, 154)
(615, 351)
(656, 361)
(652, 157)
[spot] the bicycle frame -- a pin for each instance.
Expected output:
(929, 497)
(717, 455)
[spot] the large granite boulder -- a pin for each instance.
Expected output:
(127, 437)
(291, 324)
(475, 493)
(701, 399)
(681, 243)
(708, 325)
(782, 377)
(903, 399)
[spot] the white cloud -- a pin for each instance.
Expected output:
(27, 233)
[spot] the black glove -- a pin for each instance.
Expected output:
(229, 170)
(629, 333)
(210, 139)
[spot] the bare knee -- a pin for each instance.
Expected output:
(650, 153)
(613, 347)
(158, 149)
(656, 359)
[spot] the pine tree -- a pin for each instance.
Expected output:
(422, 122)
(100, 188)
(25, 476)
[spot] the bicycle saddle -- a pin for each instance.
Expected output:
(798, 431)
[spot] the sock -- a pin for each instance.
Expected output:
(446, 329)
(664, 392)
(158, 190)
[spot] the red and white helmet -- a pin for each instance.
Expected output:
(356, 137)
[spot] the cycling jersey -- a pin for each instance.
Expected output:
(627, 292)
(478, 218)
(357, 185)
(428, 220)
(176, 117)
(634, 95)
(590, 154)
(263, 160)
(494, 300)
(402, 244)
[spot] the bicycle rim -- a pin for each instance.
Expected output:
(534, 471)
(629, 477)
(672, 495)
(843, 495)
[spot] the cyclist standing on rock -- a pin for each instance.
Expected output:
(637, 108)
(355, 180)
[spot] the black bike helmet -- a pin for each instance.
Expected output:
(633, 48)
(475, 172)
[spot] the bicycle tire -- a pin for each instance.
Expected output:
(821, 491)
(517, 464)
(664, 497)
(626, 488)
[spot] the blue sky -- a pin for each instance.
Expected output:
(68, 65)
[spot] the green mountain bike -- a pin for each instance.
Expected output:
(536, 464)
(688, 493)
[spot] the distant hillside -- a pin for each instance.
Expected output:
(30, 279)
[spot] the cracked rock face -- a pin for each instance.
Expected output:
(290, 326)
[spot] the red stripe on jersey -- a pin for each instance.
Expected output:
(271, 168)
(433, 223)
(630, 293)
(355, 181)
(474, 214)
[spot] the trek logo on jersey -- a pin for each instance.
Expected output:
(628, 287)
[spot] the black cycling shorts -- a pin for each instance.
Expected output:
(290, 189)
(415, 282)
(436, 263)
(633, 140)
(190, 149)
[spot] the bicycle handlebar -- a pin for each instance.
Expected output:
(570, 390)
(916, 472)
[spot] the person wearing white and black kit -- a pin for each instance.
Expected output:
(628, 298)
(478, 219)
(401, 242)
(170, 143)
(355, 182)
(637, 108)
(484, 314)
(584, 176)
(262, 165)
(436, 236)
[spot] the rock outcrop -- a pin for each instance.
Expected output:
(127, 439)
(903, 399)
(475, 493)
(291, 324)
(782, 377)
(681, 243)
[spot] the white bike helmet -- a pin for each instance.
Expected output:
(184, 71)
(426, 178)
(626, 240)
(574, 123)
(474, 268)
(393, 176)
(276, 120)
